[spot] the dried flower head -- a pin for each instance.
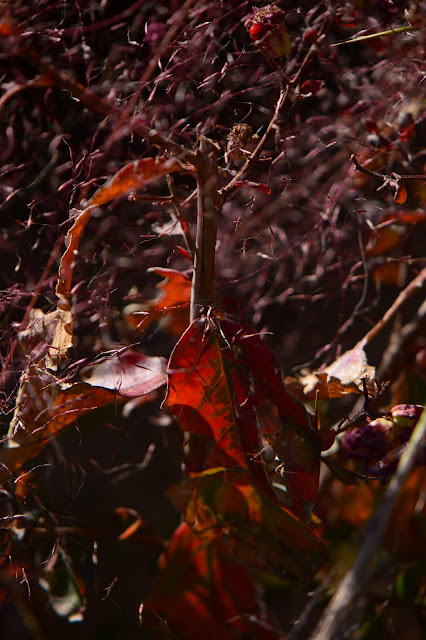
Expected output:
(241, 142)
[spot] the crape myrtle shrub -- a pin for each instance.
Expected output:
(300, 244)
(309, 254)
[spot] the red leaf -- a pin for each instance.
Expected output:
(296, 443)
(259, 186)
(311, 87)
(218, 374)
(223, 505)
(201, 592)
(199, 385)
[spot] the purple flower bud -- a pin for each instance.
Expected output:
(368, 442)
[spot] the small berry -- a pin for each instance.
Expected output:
(267, 29)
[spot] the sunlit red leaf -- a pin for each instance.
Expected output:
(218, 375)
(202, 592)
(199, 386)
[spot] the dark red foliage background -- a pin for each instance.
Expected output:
(314, 258)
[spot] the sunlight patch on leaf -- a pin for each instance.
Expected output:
(65, 590)
(218, 374)
(343, 376)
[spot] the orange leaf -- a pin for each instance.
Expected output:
(341, 377)
(382, 241)
(400, 194)
(171, 306)
(136, 175)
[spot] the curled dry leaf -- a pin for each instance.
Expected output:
(343, 376)
(133, 176)
(45, 405)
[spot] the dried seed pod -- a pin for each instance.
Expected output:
(267, 29)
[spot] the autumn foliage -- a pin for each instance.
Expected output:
(213, 353)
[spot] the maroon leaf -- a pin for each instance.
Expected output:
(130, 374)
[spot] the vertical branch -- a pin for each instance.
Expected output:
(208, 209)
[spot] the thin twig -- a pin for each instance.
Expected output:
(228, 189)
(399, 340)
(338, 614)
(371, 36)
(414, 286)
(383, 176)
(103, 107)
(181, 216)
